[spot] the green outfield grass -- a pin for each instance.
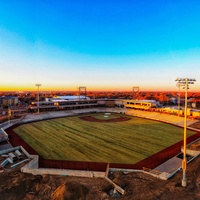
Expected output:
(71, 138)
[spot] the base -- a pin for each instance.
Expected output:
(184, 183)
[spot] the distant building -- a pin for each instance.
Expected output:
(1, 100)
(9, 101)
(141, 104)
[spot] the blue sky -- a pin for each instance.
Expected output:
(103, 45)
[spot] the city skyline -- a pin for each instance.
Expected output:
(102, 45)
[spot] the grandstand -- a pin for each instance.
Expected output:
(159, 116)
(62, 104)
(81, 102)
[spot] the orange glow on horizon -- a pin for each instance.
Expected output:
(44, 87)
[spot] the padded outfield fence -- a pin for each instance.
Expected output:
(150, 162)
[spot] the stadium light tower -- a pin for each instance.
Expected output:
(136, 90)
(38, 85)
(179, 94)
(185, 83)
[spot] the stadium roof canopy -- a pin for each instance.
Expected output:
(71, 97)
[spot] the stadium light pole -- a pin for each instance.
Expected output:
(38, 85)
(136, 89)
(9, 115)
(185, 83)
(178, 85)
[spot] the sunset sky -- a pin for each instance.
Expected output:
(101, 44)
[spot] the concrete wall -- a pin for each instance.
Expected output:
(191, 152)
(33, 164)
(63, 172)
(4, 133)
(32, 168)
(8, 125)
(9, 150)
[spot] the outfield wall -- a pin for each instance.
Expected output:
(75, 165)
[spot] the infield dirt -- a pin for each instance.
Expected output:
(93, 119)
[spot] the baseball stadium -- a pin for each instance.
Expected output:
(90, 135)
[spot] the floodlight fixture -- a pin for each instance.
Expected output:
(82, 90)
(179, 96)
(136, 90)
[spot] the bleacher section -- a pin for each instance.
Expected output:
(168, 118)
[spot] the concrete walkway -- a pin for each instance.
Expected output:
(170, 165)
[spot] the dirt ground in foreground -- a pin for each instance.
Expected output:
(19, 186)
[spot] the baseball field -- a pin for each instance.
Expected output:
(102, 137)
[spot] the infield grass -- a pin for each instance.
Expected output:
(71, 138)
